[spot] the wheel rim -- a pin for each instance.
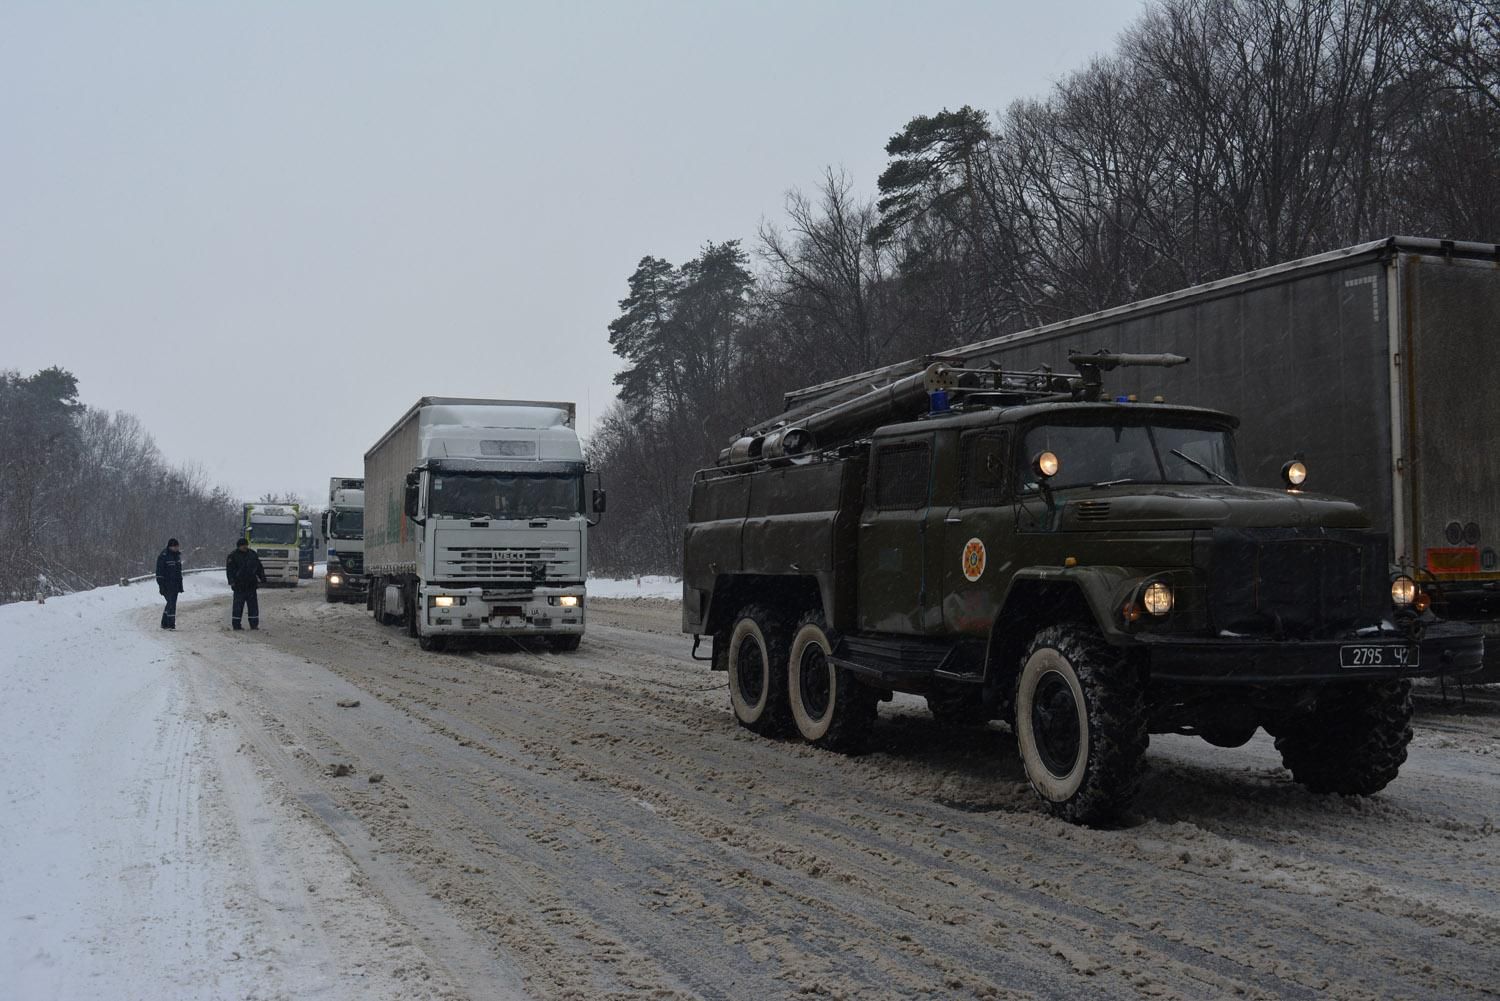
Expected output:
(1054, 724)
(813, 682)
(750, 671)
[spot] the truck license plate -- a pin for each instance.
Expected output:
(1370, 655)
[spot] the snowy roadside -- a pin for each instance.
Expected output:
(636, 587)
(146, 855)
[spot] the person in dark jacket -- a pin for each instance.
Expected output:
(245, 574)
(169, 581)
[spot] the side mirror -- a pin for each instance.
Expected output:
(599, 500)
(325, 523)
(413, 491)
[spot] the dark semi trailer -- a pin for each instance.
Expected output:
(1379, 364)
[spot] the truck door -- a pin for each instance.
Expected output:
(893, 581)
(978, 540)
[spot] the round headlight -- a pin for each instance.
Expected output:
(1294, 473)
(1403, 591)
(334, 578)
(1046, 465)
(1157, 598)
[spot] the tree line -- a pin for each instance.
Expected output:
(1220, 136)
(87, 498)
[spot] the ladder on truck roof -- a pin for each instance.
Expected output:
(825, 424)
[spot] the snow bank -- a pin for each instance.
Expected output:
(97, 796)
(635, 587)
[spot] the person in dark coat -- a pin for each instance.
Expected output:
(245, 574)
(169, 581)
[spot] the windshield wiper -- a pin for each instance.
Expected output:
(1111, 483)
(1211, 472)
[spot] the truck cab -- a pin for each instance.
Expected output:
(273, 533)
(344, 530)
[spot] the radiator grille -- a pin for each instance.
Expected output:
(1297, 582)
(509, 563)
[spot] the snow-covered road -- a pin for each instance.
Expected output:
(144, 855)
(591, 825)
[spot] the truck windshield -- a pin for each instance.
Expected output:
(1131, 453)
(278, 533)
(505, 495)
(347, 525)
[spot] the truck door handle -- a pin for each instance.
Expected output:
(953, 521)
(867, 524)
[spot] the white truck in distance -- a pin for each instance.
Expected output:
(475, 522)
(273, 533)
(344, 530)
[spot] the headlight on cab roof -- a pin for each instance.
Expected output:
(1157, 598)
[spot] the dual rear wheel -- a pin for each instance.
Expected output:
(782, 679)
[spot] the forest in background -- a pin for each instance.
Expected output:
(87, 498)
(1219, 137)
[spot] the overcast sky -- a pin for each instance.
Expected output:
(268, 228)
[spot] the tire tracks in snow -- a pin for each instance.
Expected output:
(602, 820)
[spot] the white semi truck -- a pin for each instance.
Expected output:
(476, 522)
(344, 530)
(273, 533)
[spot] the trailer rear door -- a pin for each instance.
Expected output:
(1452, 374)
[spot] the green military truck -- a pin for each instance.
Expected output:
(1017, 545)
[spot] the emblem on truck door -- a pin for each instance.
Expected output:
(973, 560)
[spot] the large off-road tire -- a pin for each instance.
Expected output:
(565, 643)
(960, 708)
(1353, 743)
(830, 707)
(1080, 724)
(757, 671)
